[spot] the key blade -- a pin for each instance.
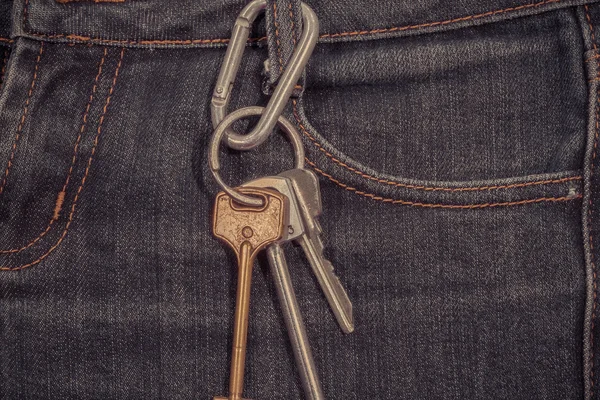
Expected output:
(294, 323)
(330, 284)
(308, 193)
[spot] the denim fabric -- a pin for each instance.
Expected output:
(456, 150)
(5, 23)
(284, 27)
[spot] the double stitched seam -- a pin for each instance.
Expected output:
(61, 195)
(420, 187)
(592, 57)
(436, 205)
(85, 176)
(22, 119)
(446, 22)
(590, 225)
(323, 36)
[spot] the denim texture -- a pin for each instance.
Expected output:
(284, 27)
(456, 150)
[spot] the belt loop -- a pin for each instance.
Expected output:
(284, 26)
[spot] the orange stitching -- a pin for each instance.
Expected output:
(277, 37)
(25, 14)
(61, 195)
(418, 187)
(446, 22)
(326, 35)
(6, 40)
(594, 57)
(57, 207)
(435, 205)
(139, 42)
(83, 180)
(23, 117)
(594, 271)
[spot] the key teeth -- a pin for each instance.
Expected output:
(346, 320)
(337, 298)
(329, 266)
(314, 235)
(318, 226)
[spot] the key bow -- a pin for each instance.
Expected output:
(237, 224)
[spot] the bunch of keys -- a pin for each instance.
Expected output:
(265, 213)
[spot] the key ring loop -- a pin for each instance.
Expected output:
(213, 156)
(283, 90)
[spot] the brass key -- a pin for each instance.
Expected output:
(247, 230)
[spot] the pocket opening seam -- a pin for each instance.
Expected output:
(420, 187)
(439, 205)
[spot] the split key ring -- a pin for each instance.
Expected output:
(217, 138)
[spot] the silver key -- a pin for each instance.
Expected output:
(308, 194)
(285, 291)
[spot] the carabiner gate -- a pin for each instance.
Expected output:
(283, 90)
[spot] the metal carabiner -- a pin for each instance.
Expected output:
(283, 90)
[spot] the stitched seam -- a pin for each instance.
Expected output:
(25, 14)
(83, 180)
(139, 42)
(326, 35)
(6, 40)
(446, 22)
(3, 71)
(437, 205)
(594, 57)
(61, 195)
(592, 260)
(420, 187)
(22, 119)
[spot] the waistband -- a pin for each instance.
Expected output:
(201, 23)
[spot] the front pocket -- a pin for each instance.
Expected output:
(54, 105)
(452, 180)
(470, 116)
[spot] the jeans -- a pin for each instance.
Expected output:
(456, 146)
